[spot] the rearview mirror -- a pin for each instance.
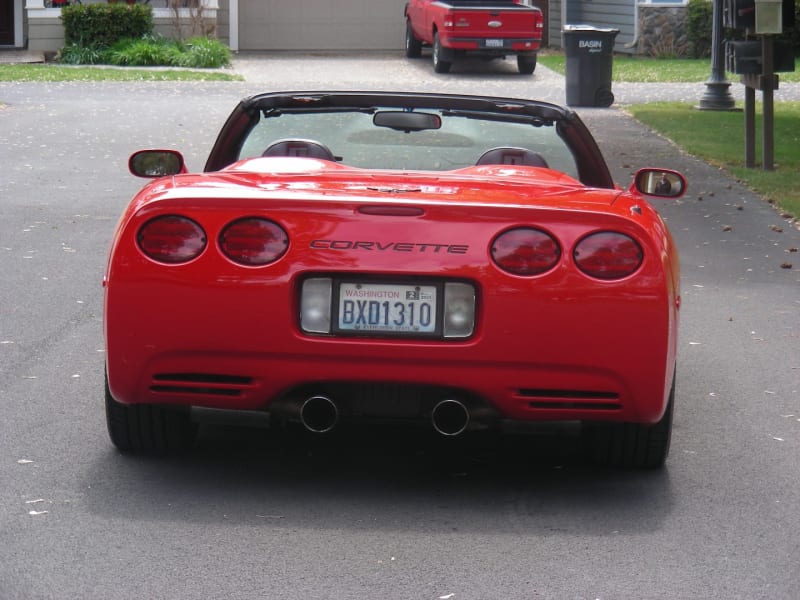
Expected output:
(663, 183)
(156, 163)
(406, 121)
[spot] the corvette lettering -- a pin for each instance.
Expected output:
(389, 246)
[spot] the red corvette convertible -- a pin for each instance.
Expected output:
(460, 262)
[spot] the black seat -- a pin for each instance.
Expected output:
(512, 156)
(299, 147)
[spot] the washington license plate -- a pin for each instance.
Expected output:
(387, 307)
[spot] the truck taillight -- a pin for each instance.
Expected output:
(253, 241)
(608, 255)
(171, 239)
(525, 251)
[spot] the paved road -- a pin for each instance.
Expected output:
(245, 517)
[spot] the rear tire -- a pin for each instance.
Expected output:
(148, 428)
(630, 445)
(413, 45)
(526, 63)
(439, 65)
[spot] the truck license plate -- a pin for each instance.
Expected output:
(387, 307)
(494, 43)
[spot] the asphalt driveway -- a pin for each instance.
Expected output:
(244, 517)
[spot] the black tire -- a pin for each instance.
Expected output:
(630, 445)
(603, 97)
(148, 428)
(439, 65)
(526, 63)
(413, 45)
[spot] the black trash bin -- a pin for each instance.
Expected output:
(589, 53)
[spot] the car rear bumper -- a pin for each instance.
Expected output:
(407, 387)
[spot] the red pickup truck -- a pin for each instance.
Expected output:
(485, 28)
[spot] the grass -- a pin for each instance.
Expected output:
(50, 72)
(689, 128)
(636, 69)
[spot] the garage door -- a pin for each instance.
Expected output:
(321, 24)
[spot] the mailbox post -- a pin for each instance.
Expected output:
(756, 63)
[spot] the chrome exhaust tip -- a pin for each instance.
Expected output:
(319, 414)
(450, 417)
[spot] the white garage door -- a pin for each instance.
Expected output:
(321, 24)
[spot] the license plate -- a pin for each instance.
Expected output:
(387, 308)
(494, 43)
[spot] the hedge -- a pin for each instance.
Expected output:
(101, 25)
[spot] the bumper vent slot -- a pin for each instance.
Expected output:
(571, 399)
(205, 384)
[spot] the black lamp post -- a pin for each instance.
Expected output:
(717, 95)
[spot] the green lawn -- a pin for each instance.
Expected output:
(655, 70)
(52, 72)
(689, 128)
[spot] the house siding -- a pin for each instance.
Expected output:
(613, 14)
(45, 34)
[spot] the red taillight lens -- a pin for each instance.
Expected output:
(172, 239)
(608, 255)
(253, 241)
(525, 251)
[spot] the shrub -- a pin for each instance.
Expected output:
(152, 51)
(144, 52)
(76, 54)
(202, 52)
(699, 17)
(699, 20)
(101, 25)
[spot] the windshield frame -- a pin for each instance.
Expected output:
(592, 169)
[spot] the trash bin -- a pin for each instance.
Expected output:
(589, 53)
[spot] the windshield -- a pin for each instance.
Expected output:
(361, 138)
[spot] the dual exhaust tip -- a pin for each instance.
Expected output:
(320, 414)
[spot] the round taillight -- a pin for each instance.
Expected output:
(171, 239)
(525, 251)
(608, 255)
(253, 241)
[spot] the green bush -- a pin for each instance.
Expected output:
(101, 25)
(144, 52)
(699, 20)
(75, 54)
(150, 51)
(699, 17)
(793, 35)
(201, 52)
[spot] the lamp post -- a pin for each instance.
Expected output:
(717, 95)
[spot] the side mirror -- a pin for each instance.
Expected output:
(662, 183)
(156, 163)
